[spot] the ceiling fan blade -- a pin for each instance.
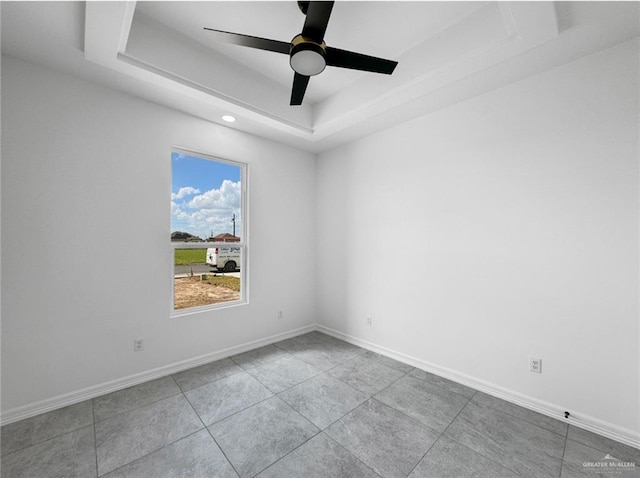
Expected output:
(358, 61)
(250, 41)
(315, 25)
(300, 83)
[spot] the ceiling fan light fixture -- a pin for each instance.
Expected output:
(307, 58)
(308, 53)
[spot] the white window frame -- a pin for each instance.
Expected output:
(244, 262)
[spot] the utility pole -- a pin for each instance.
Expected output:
(233, 220)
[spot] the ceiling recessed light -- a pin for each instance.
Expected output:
(228, 118)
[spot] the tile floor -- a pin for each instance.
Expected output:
(311, 406)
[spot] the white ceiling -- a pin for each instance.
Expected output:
(447, 52)
(381, 29)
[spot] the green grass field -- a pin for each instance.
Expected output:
(185, 257)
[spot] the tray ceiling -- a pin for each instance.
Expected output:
(447, 52)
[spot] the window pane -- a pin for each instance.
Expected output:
(206, 206)
(206, 199)
(198, 283)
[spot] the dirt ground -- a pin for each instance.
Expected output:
(191, 292)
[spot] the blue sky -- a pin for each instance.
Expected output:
(204, 196)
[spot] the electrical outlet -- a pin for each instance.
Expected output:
(535, 365)
(369, 320)
(138, 345)
(280, 315)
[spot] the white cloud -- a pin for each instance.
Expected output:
(228, 196)
(208, 213)
(184, 192)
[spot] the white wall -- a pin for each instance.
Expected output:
(85, 236)
(502, 228)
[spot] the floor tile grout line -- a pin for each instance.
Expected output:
(259, 364)
(236, 412)
(96, 447)
(369, 395)
(441, 433)
(95, 437)
(601, 451)
(321, 338)
(348, 451)
(138, 407)
(230, 357)
(392, 383)
(288, 388)
(440, 386)
(175, 381)
(471, 449)
(212, 381)
(48, 439)
(261, 382)
(256, 371)
(458, 414)
(295, 340)
(384, 358)
(300, 413)
(211, 435)
(373, 397)
(520, 418)
(564, 450)
(328, 343)
(319, 430)
(303, 360)
(478, 453)
(376, 363)
(321, 372)
(157, 449)
(405, 415)
(289, 452)
(152, 452)
(233, 467)
(577, 440)
(248, 351)
(304, 381)
(342, 416)
(462, 444)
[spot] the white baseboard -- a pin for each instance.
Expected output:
(30, 410)
(595, 425)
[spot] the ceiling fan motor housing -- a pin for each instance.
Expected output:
(303, 6)
(306, 56)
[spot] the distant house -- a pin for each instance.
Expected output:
(224, 237)
(179, 236)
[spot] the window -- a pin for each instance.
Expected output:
(208, 232)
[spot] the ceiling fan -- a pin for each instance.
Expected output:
(308, 53)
